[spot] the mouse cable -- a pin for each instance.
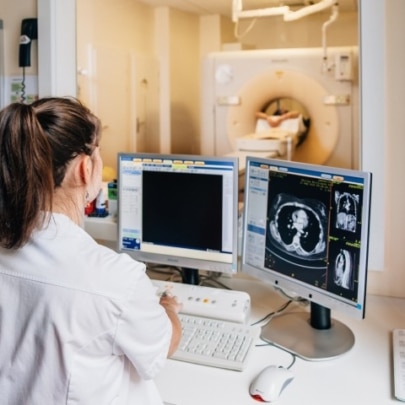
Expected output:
(294, 357)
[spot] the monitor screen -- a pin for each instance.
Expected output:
(179, 210)
(306, 231)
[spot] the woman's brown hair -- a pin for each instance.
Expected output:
(37, 142)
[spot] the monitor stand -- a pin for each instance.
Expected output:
(190, 276)
(311, 336)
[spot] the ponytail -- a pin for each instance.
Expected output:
(37, 143)
(26, 181)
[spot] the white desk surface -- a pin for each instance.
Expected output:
(363, 376)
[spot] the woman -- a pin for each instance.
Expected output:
(79, 323)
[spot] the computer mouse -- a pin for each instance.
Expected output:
(268, 385)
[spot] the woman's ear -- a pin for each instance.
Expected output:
(84, 169)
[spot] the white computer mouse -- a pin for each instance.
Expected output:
(268, 385)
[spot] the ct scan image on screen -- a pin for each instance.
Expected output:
(313, 232)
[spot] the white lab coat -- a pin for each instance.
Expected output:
(79, 323)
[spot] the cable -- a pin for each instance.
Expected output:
(294, 357)
(250, 26)
(173, 273)
(212, 279)
(297, 299)
(22, 99)
(266, 319)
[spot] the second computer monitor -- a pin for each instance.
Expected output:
(306, 230)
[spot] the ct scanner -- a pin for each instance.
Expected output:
(237, 84)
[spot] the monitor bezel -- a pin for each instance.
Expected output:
(179, 260)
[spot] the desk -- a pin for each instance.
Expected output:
(362, 376)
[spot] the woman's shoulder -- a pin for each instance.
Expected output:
(98, 266)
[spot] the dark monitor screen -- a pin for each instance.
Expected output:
(306, 231)
(179, 210)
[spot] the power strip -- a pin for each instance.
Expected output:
(209, 302)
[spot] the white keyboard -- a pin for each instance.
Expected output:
(215, 343)
(398, 352)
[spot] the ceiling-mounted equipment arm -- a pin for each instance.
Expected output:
(333, 17)
(289, 15)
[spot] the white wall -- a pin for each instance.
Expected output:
(184, 82)
(118, 76)
(57, 48)
(385, 94)
(373, 44)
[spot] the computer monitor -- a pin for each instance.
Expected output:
(179, 210)
(306, 231)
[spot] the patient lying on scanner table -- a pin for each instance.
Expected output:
(292, 122)
(279, 133)
(276, 120)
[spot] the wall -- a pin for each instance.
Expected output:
(117, 71)
(391, 281)
(184, 82)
